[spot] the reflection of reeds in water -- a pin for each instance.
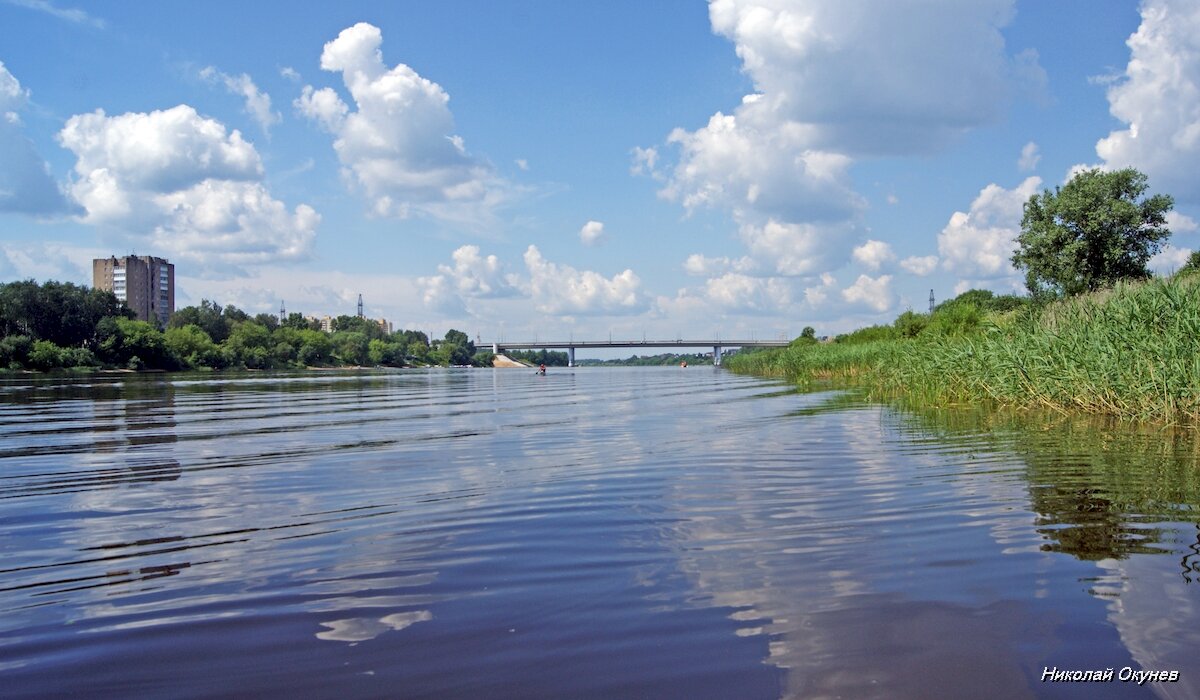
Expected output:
(1132, 351)
(1100, 487)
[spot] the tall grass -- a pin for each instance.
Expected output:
(1131, 351)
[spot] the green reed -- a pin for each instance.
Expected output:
(1131, 351)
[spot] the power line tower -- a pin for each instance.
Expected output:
(282, 312)
(360, 311)
(931, 301)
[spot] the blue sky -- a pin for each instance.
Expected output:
(746, 167)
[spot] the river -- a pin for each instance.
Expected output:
(594, 533)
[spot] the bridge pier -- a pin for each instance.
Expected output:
(495, 348)
(571, 357)
(716, 355)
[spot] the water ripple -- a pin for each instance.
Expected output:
(591, 533)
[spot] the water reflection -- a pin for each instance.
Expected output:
(360, 629)
(592, 533)
(1125, 497)
(1099, 486)
(135, 431)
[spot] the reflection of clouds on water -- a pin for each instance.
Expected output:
(845, 548)
(1108, 495)
(360, 629)
(1156, 612)
(608, 515)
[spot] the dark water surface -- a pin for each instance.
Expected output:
(602, 533)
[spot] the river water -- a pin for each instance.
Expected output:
(594, 533)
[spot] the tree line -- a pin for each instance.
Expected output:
(63, 325)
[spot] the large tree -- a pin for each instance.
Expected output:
(1091, 232)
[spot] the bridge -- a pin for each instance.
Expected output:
(570, 345)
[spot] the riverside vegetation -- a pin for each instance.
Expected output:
(1132, 350)
(1097, 334)
(59, 325)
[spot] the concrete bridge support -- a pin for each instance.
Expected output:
(570, 357)
(716, 355)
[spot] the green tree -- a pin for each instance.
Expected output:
(1091, 232)
(193, 347)
(417, 352)
(45, 355)
(134, 344)
(955, 320)
(910, 324)
(351, 348)
(61, 312)
(382, 352)
(808, 336)
(365, 326)
(268, 321)
(1192, 265)
(315, 349)
(297, 321)
(208, 316)
(249, 344)
(14, 351)
(483, 358)
(550, 358)
(455, 349)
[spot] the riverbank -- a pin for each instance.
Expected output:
(1132, 351)
(502, 360)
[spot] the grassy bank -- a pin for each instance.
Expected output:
(1131, 351)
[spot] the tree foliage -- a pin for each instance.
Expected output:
(550, 358)
(55, 325)
(59, 312)
(1192, 266)
(208, 316)
(1091, 232)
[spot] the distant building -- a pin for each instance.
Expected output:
(146, 284)
(325, 322)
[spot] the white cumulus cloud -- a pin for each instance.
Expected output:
(1029, 157)
(874, 254)
(872, 76)
(699, 265)
(874, 293)
(184, 184)
(1169, 259)
(398, 146)
(1181, 223)
(920, 266)
(833, 83)
(26, 185)
(258, 103)
(735, 291)
(472, 276)
(644, 160)
(1158, 98)
(753, 165)
(980, 242)
(817, 294)
(12, 95)
(556, 288)
(796, 249)
(592, 233)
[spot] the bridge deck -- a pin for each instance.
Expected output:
(583, 344)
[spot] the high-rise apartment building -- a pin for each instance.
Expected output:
(146, 284)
